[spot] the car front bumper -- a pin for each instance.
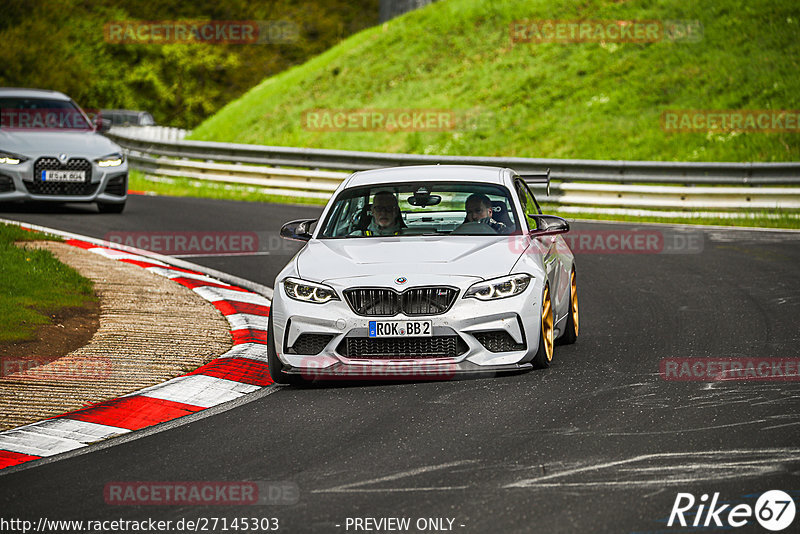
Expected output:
(19, 183)
(480, 329)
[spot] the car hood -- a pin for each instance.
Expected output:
(481, 257)
(34, 143)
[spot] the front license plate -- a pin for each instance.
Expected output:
(63, 176)
(400, 329)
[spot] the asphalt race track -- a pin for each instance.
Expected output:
(600, 442)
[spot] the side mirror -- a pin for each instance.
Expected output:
(297, 230)
(549, 225)
(102, 125)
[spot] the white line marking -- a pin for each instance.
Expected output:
(83, 431)
(239, 321)
(390, 490)
(352, 487)
(173, 273)
(213, 294)
(678, 431)
(25, 441)
(781, 426)
(119, 255)
(52, 436)
(251, 351)
(199, 390)
(794, 454)
(623, 484)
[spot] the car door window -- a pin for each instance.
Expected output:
(528, 203)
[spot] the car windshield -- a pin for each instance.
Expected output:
(421, 208)
(41, 114)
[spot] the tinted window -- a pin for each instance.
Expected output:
(421, 208)
(41, 113)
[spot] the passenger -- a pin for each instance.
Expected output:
(479, 209)
(386, 217)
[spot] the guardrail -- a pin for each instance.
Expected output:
(616, 183)
(284, 182)
(152, 133)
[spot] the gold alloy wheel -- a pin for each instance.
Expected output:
(573, 306)
(547, 324)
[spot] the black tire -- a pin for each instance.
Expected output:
(544, 354)
(275, 365)
(107, 207)
(570, 334)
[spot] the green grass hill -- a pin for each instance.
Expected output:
(596, 100)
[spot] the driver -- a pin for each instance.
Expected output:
(386, 218)
(479, 209)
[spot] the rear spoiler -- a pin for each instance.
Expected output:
(538, 178)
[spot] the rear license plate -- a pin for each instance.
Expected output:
(63, 176)
(400, 329)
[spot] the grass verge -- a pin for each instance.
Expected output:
(33, 284)
(187, 187)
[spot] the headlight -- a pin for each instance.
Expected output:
(11, 159)
(305, 291)
(112, 160)
(499, 288)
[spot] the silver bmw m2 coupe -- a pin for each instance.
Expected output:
(424, 272)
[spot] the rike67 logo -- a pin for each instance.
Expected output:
(774, 510)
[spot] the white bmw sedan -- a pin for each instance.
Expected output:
(424, 272)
